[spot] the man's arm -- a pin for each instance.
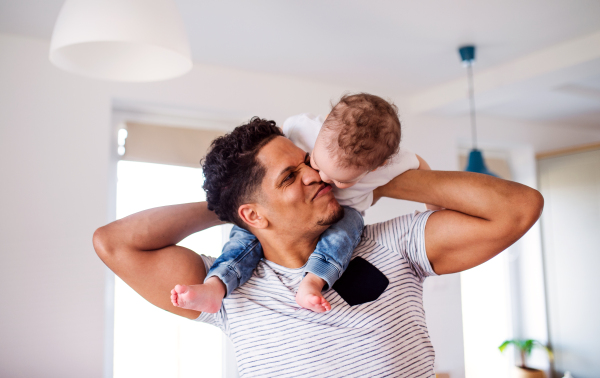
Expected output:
(141, 250)
(483, 214)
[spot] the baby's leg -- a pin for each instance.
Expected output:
(206, 297)
(309, 294)
(233, 268)
(329, 260)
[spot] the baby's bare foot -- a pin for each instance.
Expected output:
(205, 297)
(309, 294)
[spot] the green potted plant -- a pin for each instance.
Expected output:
(525, 347)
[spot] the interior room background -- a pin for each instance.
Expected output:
(58, 159)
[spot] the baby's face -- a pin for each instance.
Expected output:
(322, 161)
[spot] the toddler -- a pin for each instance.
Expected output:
(355, 149)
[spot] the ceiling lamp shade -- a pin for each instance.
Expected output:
(476, 163)
(467, 54)
(121, 40)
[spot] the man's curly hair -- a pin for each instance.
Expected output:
(232, 174)
(365, 131)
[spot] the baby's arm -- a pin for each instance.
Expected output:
(329, 260)
(233, 268)
(424, 166)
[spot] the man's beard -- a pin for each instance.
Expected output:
(332, 218)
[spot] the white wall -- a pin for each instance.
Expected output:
(571, 222)
(53, 153)
(57, 166)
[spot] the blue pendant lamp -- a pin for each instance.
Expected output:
(475, 163)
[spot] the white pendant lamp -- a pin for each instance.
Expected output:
(121, 40)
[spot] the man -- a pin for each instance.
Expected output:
(259, 180)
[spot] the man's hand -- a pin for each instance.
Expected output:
(483, 214)
(141, 249)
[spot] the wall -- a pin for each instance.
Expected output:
(53, 153)
(57, 155)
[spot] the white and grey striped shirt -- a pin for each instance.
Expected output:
(273, 337)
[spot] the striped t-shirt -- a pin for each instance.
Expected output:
(274, 337)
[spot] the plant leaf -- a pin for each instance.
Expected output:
(507, 343)
(548, 350)
(528, 346)
(504, 345)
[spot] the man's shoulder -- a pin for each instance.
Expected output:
(391, 229)
(404, 235)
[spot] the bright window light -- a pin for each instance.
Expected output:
(486, 318)
(150, 342)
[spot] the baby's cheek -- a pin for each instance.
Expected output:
(345, 185)
(324, 178)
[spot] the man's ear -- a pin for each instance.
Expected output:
(252, 216)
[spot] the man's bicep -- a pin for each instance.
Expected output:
(456, 242)
(153, 274)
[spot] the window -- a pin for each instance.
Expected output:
(487, 302)
(150, 342)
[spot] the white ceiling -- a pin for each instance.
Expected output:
(400, 47)
(577, 103)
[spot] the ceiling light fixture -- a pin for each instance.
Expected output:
(476, 162)
(121, 40)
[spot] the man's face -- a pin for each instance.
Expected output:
(293, 197)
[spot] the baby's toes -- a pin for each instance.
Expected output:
(315, 300)
(325, 304)
(320, 309)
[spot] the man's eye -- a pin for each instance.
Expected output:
(289, 177)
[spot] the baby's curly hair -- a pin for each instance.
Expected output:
(232, 173)
(367, 129)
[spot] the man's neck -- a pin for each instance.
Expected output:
(290, 252)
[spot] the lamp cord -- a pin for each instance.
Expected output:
(472, 103)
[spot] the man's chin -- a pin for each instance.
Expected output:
(336, 213)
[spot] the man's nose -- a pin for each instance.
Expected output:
(310, 176)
